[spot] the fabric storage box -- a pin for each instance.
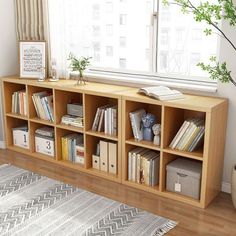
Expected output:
(184, 177)
(75, 109)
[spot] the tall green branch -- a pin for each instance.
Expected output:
(212, 14)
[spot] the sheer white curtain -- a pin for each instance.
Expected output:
(112, 32)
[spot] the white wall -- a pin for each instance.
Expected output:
(229, 91)
(8, 66)
(8, 46)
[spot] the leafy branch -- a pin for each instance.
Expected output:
(212, 14)
(79, 64)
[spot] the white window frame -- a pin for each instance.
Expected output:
(138, 79)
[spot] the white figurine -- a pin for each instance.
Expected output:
(157, 131)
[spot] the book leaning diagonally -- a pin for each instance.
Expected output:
(161, 93)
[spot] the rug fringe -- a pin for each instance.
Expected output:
(165, 228)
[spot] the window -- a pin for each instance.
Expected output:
(121, 38)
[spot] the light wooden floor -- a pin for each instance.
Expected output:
(218, 219)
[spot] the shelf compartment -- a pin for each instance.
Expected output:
(12, 122)
(143, 143)
(125, 177)
(9, 89)
(31, 91)
(102, 135)
(91, 147)
(131, 106)
(62, 99)
(17, 116)
(92, 102)
(61, 132)
(174, 118)
(32, 128)
(165, 160)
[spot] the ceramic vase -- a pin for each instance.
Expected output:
(233, 186)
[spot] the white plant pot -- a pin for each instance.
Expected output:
(233, 186)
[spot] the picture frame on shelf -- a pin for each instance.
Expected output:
(32, 59)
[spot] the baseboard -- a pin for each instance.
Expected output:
(226, 187)
(2, 145)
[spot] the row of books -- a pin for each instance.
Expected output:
(190, 135)
(105, 120)
(143, 166)
(135, 120)
(73, 148)
(43, 103)
(72, 120)
(19, 105)
(106, 157)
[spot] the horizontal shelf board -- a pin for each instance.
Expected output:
(143, 143)
(44, 156)
(40, 121)
(17, 116)
(70, 127)
(103, 174)
(151, 189)
(19, 149)
(182, 198)
(197, 155)
(102, 135)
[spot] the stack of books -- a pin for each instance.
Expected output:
(72, 120)
(73, 148)
(143, 166)
(105, 120)
(19, 105)
(161, 93)
(136, 121)
(43, 103)
(45, 141)
(190, 135)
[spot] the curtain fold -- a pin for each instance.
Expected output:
(31, 19)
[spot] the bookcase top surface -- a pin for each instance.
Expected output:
(192, 102)
(70, 85)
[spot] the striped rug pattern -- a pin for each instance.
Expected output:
(31, 204)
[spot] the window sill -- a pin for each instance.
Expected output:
(141, 81)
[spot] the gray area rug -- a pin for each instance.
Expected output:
(31, 204)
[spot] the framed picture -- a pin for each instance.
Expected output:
(32, 59)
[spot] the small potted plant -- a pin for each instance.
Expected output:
(80, 65)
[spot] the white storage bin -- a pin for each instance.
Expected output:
(21, 138)
(44, 145)
(184, 177)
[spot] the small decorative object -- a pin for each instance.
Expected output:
(156, 130)
(233, 185)
(54, 73)
(79, 65)
(148, 121)
(32, 59)
(42, 74)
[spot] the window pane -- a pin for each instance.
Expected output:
(116, 34)
(182, 43)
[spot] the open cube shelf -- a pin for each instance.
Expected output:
(170, 114)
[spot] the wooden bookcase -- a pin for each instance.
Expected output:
(170, 114)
